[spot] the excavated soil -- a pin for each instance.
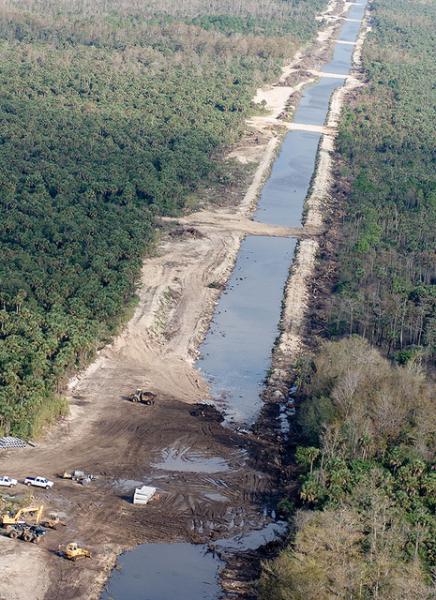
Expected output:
(210, 483)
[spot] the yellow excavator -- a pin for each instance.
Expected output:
(9, 519)
(73, 552)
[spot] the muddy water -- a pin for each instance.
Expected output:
(283, 195)
(180, 571)
(186, 460)
(163, 572)
(236, 353)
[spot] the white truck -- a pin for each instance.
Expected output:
(7, 481)
(39, 482)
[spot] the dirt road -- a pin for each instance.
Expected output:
(211, 480)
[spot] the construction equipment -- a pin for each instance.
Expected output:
(80, 476)
(143, 396)
(28, 533)
(52, 522)
(7, 520)
(73, 552)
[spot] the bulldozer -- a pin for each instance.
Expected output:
(143, 397)
(73, 552)
(52, 522)
(8, 520)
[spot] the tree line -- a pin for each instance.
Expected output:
(385, 285)
(363, 524)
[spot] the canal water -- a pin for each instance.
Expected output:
(180, 571)
(165, 572)
(236, 353)
(237, 349)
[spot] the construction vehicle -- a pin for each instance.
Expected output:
(52, 522)
(7, 520)
(73, 552)
(79, 476)
(143, 396)
(27, 533)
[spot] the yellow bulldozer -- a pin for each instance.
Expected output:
(73, 552)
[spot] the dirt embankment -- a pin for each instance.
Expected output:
(220, 479)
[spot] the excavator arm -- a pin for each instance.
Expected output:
(13, 519)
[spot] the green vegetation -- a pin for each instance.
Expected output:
(365, 524)
(110, 113)
(366, 528)
(386, 147)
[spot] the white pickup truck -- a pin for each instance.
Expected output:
(7, 481)
(39, 482)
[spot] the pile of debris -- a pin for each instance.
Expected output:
(186, 233)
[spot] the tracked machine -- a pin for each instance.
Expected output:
(143, 397)
(74, 552)
(10, 519)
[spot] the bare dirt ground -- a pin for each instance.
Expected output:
(127, 444)
(13, 585)
(221, 219)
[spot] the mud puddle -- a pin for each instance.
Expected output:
(253, 539)
(187, 460)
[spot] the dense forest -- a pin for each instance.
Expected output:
(385, 289)
(111, 113)
(363, 521)
(365, 525)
